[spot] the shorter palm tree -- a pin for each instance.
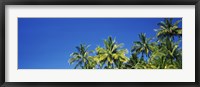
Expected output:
(112, 55)
(133, 60)
(81, 57)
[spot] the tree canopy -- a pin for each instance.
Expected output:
(162, 53)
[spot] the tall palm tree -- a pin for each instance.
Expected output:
(142, 46)
(168, 29)
(81, 57)
(112, 55)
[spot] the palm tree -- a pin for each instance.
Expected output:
(166, 55)
(81, 57)
(168, 29)
(91, 62)
(112, 55)
(142, 46)
(173, 51)
(158, 56)
(135, 62)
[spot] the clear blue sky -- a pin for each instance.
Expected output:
(46, 43)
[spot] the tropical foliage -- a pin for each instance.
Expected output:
(162, 52)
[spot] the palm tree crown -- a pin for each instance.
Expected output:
(80, 57)
(168, 29)
(111, 54)
(142, 46)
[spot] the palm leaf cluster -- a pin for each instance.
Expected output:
(163, 53)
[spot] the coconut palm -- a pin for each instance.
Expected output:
(81, 57)
(158, 56)
(91, 62)
(141, 64)
(112, 54)
(168, 29)
(173, 50)
(142, 46)
(135, 62)
(166, 55)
